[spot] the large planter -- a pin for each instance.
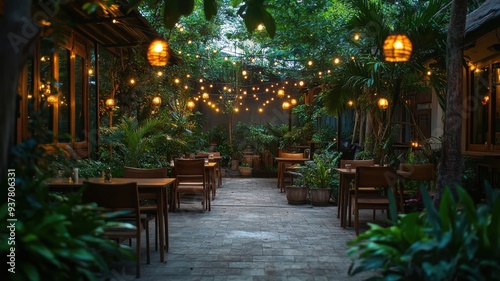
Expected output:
(320, 196)
(296, 194)
(245, 171)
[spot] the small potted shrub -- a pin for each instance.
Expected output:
(320, 177)
(245, 169)
(297, 193)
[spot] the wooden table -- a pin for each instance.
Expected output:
(346, 176)
(211, 168)
(217, 160)
(281, 167)
(156, 186)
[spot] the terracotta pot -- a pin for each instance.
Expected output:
(245, 171)
(320, 196)
(296, 194)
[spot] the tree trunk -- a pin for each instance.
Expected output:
(362, 121)
(17, 37)
(451, 166)
(368, 146)
(355, 129)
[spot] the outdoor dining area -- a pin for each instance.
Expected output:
(227, 141)
(150, 193)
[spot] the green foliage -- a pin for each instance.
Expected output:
(299, 135)
(133, 141)
(457, 241)
(89, 168)
(54, 235)
(257, 137)
(363, 155)
(320, 173)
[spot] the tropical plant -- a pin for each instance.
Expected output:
(53, 235)
(368, 77)
(255, 136)
(319, 173)
(134, 141)
(458, 241)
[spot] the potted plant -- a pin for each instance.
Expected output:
(320, 177)
(297, 192)
(245, 169)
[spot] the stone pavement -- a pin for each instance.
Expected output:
(250, 234)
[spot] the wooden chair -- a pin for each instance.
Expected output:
(149, 209)
(120, 197)
(417, 172)
(381, 178)
(354, 164)
(218, 169)
(191, 178)
(283, 166)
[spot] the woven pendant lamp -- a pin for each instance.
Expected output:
(397, 48)
(158, 53)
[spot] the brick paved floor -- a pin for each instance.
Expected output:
(250, 234)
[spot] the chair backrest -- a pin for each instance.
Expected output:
(189, 167)
(375, 177)
(122, 196)
(207, 153)
(291, 155)
(356, 163)
(421, 172)
(131, 172)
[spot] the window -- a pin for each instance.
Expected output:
(79, 99)
(63, 93)
(483, 108)
(63, 83)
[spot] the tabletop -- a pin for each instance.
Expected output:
(290, 159)
(62, 184)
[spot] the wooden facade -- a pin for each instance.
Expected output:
(65, 66)
(481, 99)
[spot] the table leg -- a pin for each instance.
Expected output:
(165, 216)
(219, 169)
(161, 219)
(214, 183)
(340, 195)
(281, 174)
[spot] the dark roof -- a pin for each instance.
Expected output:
(484, 19)
(482, 32)
(113, 27)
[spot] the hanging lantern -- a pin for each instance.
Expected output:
(281, 93)
(293, 102)
(350, 103)
(158, 53)
(156, 101)
(52, 99)
(190, 105)
(397, 48)
(383, 103)
(205, 96)
(285, 105)
(110, 104)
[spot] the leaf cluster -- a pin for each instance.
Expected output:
(55, 236)
(457, 241)
(320, 172)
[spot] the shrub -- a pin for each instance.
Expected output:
(458, 241)
(55, 236)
